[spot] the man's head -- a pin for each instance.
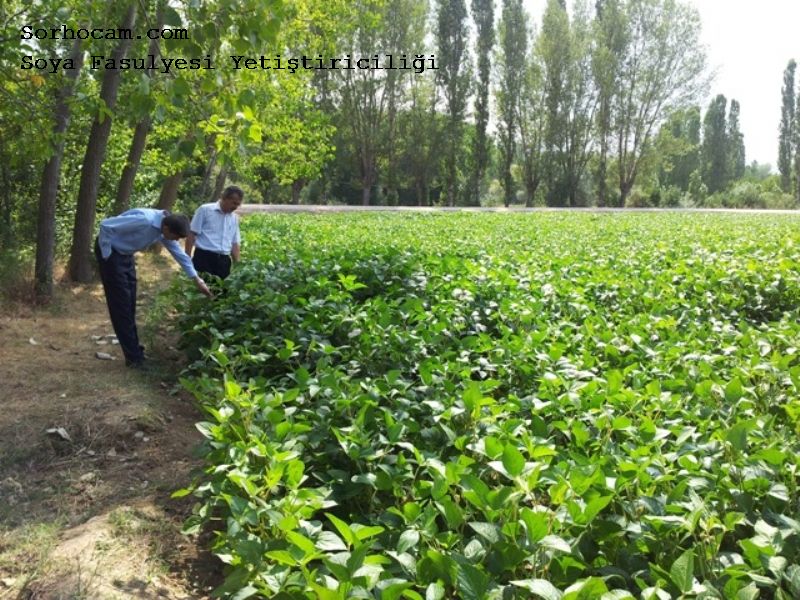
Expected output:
(175, 227)
(231, 199)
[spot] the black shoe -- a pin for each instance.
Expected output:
(140, 364)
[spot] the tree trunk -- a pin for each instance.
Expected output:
(6, 237)
(219, 184)
(508, 184)
(418, 192)
(166, 200)
(451, 179)
(125, 188)
(80, 265)
(624, 191)
(48, 194)
(602, 170)
(531, 185)
(367, 179)
(297, 187)
(169, 191)
(207, 175)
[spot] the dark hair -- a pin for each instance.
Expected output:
(233, 190)
(177, 224)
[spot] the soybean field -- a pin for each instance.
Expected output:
(554, 405)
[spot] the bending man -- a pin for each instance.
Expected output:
(215, 234)
(114, 247)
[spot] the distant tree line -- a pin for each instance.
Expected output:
(595, 103)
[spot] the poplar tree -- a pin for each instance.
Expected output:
(715, 146)
(48, 194)
(570, 101)
(80, 264)
(483, 15)
(532, 122)
(786, 136)
(612, 38)
(452, 37)
(513, 44)
(735, 140)
(796, 145)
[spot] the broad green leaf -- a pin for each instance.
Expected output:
(541, 588)
(734, 390)
(488, 531)
(737, 435)
(554, 542)
(434, 591)
(513, 461)
(682, 571)
(408, 539)
(472, 583)
(343, 528)
(302, 542)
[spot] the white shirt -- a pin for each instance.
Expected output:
(214, 230)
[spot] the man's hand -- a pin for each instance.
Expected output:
(190, 239)
(201, 285)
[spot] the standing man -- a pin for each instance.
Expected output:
(215, 234)
(114, 247)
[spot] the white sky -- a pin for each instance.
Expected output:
(748, 44)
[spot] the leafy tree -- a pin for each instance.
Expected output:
(663, 70)
(756, 171)
(483, 15)
(80, 266)
(369, 96)
(453, 79)
(611, 41)
(716, 163)
(46, 222)
(571, 99)
(736, 152)
(532, 121)
(513, 45)
(797, 156)
(796, 144)
(787, 127)
(143, 126)
(677, 147)
(420, 128)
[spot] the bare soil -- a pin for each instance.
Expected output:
(85, 510)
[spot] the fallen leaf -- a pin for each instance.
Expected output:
(60, 432)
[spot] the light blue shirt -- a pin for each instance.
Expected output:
(137, 229)
(215, 231)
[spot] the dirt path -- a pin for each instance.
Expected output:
(85, 511)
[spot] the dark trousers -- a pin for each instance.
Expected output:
(118, 274)
(211, 262)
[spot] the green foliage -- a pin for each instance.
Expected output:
(786, 138)
(454, 80)
(716, 174)
(492, 406)
(678, 148)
